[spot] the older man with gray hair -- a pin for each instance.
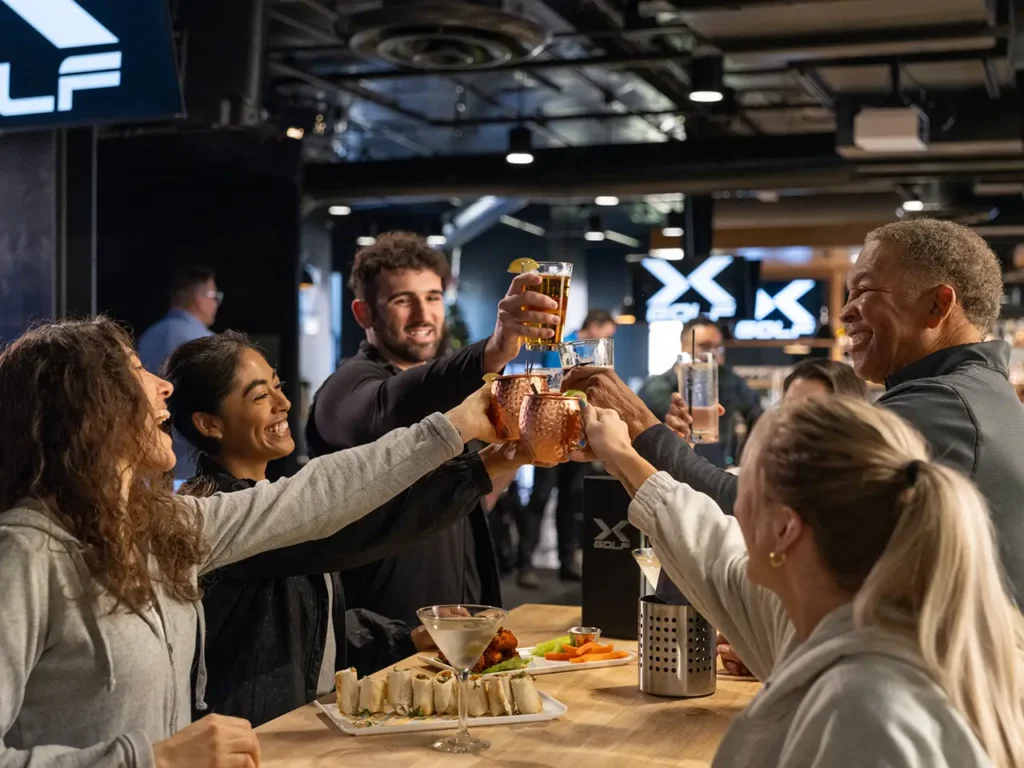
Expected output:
(923, 295)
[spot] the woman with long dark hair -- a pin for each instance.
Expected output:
(277, 628)
(99, 562)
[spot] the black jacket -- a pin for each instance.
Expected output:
(266, 617)
(366, 398)
(960, 399)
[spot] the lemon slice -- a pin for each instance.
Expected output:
(519, 266)
(489, 377)
(577, 393)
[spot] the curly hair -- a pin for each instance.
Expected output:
(946, 252)
(394, 251)
(75, 423)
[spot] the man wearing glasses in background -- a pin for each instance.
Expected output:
(194, 303)
(741, 403)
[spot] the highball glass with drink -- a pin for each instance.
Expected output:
(555, 276)
(698, 384)
(599, 352)
(462, 633)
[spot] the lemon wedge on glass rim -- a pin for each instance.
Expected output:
(489, 377)
(579, 394)
(521, 266)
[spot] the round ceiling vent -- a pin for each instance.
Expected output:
(450, 36)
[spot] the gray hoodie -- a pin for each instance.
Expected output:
(844, 697)
(80, 686)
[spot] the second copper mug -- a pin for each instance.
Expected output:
(551, 426)
(507, 394)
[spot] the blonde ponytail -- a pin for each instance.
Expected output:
(914, 542)
(941, 563)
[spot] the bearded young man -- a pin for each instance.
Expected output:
(399, 287)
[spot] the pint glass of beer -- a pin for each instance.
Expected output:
(555, 276)
(698, 384)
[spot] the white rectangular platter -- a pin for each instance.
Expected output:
(388, 722)
(541, 666)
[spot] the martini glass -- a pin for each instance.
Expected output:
(649, 564)
(462, 633)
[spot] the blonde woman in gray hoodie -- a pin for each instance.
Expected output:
(99, 599)
(858, 579)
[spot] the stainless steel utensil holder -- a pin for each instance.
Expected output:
(677, 655)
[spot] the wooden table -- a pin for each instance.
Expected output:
(609, 722)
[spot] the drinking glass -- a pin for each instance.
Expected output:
(551, 426)
(698, 384)
(507, 394)
(599, 352)
(555, 276)
(649, 564)
(462, 633)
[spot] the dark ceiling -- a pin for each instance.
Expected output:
(606, 94)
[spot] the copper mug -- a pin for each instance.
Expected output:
(507, 394)
(551, 426)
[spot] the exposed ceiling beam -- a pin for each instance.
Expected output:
(307, 29)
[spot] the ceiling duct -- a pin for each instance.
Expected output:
(443, 35)
(953, 201)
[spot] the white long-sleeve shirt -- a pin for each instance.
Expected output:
(844, 697)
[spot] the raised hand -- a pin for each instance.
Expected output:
(678, 418)
(606, 390)
(519, 307)
(472, 417)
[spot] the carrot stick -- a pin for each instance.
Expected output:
(600, 657)
(592, 648)
(559, 656)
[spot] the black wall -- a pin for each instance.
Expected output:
(227, 200)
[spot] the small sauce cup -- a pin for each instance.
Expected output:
(582, 635)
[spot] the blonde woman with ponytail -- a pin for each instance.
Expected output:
(858, 579)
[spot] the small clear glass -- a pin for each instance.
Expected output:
(698, 384)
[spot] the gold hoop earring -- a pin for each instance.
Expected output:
(777, 560)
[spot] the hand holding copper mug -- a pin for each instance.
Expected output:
(507, 395)
(551, 426)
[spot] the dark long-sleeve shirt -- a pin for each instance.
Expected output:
(960, 399)
(267, 617)
(367, 397)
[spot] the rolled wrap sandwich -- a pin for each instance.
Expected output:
(477, 704)
(422, 694)
(371, 695)
(346, 681)
(524, 691)
(499, 695)
(445, 700)
(400, 690)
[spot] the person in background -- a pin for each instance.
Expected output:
(100, 563)
(395, 378)
(922, 296)
(261, 661)
(567, 478)
(741, 403)
(194, 304)
(859, 576)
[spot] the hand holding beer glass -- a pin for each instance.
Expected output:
(555, 276)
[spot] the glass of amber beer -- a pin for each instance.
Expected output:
(555, 276)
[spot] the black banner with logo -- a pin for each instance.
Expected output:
(85, 62)
(611, 577)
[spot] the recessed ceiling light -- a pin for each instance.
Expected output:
(436, 240)
(295, 133)
(913, 206)
(606, 200)
(339, 210)
(365, 240)
(520, 146)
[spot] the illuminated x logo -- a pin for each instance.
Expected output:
(787, 301)
(702, 280)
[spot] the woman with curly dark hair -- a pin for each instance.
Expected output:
(99, 563)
